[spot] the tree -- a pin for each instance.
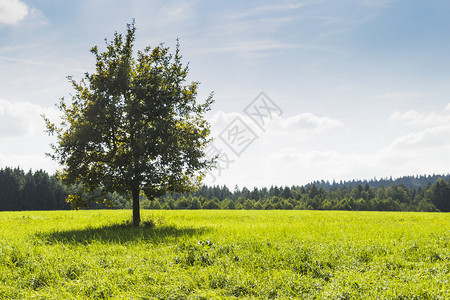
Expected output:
(439, 195)
(134, 126)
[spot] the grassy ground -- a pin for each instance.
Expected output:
(224, 255)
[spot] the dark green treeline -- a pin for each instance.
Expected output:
(31, 191)
(38, 190)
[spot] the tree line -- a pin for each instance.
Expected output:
(20, 190)
(31, 191)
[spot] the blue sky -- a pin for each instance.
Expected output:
(363, 85)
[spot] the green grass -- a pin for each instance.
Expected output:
(224, 255)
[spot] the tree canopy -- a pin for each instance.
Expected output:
(134, 126)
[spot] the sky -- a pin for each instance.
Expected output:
(304, 90)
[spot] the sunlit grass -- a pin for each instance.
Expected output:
(224, 254)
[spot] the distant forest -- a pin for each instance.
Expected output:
(20, 190)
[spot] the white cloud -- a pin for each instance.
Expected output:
(305, 147)
(221, 119)
(435, 137)
(280, 151)
(447, 108)
(12, 11)
(20, 119)
(304, 122)
(422, 151)
(414, 117)
(303, 164)
(300, 156)
(428, 146)
(23, 141)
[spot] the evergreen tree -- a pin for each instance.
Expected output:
(439, 195)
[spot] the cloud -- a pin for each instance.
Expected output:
(300, 156)
(305, 147)
(21, 119)
(12, 11)
(11, 126)
(414, 117)
(434, 134)
(23, 141)
(303, 164)
(12, 121)
(435, 137)
(304, 122)
(422, 151)
(221, 119)
(447, 108)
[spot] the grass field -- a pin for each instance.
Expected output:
(224, 255)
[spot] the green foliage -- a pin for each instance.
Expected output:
(38, 190)
(435, 197)
(224, 255)
(439, 195)
(30, 191)
(134, 125)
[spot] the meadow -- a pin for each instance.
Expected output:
(224, 255)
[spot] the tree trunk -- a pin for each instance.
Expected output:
(136, 211)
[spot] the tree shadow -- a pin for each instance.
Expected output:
(120, 233)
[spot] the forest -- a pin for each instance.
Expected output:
(20, 190)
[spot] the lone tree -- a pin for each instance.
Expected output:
(133, 127)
